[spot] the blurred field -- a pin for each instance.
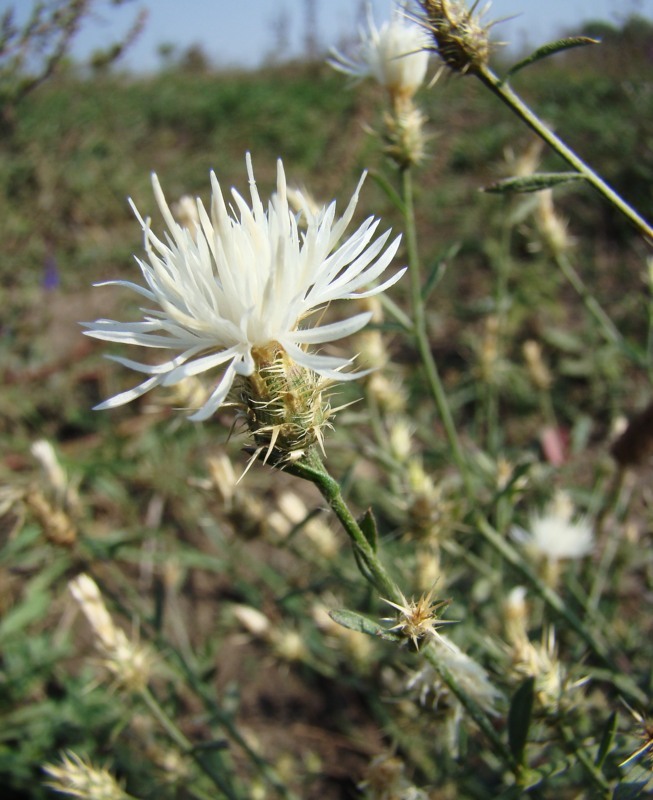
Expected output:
(154, 520)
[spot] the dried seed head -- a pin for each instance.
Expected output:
(254, 621)
(56, 480)
(57, 525)
(461, 41)
(552, 227)
(388, 393)
(289, 645)
(515, 615)
(79, 778)
(538, 371)
(417, 620)
(385, 779)
(553, 687)
(129, 662)
(55, 501)
(403, 134)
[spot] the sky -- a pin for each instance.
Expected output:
(247, 33)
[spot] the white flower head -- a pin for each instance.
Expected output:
(555, 534)
(394, 55)
(233, 294)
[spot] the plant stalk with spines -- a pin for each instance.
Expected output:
(312, 469)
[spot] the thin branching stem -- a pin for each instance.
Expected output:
(420, 333)
(601, 785)
(605, 323)
(185, 745)
(312, 469)
(489, 533)
(510, 98)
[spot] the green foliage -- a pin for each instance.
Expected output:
(519, 718)
(550, 49)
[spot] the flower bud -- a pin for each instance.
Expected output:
(461, 41)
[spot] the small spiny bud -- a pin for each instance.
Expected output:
(461, 41)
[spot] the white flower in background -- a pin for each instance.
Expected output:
(555, 534)
(393, 54)
(232, 294)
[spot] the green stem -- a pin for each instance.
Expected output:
(469, 704)
(608, 327)
(312, 469)
(611, 539)
(501, 264)
(419, 330)
(184, 744)
(516, 105)
(610, 330)
(593, 772)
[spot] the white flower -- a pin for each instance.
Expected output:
(555, 535)
(221, 296)
(393, 54)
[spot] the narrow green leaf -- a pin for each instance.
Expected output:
(550, 49)
(390, 191)
(533, 183)
(519, 718)
(357, 622)
(438, 269)
(367, 524)
(32, 609)
(607, 739)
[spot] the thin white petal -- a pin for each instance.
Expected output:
(217, 398)
(128, 396)
(333, 331)
(199, 365)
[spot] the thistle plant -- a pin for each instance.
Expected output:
(234, 293)
(475, 636)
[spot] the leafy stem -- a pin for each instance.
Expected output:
(510, 98)
(312, 469)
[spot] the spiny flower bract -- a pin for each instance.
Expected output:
(240, 284)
